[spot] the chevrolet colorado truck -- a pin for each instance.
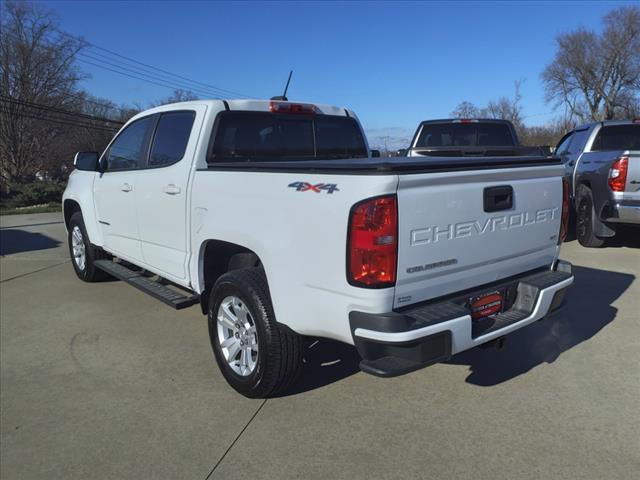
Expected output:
(602, 161)
(465, 137)
(272, 216)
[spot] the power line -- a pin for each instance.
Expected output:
(129, 59)
(57, 120)
(70, 95)
(155, 77)
(40, 116)
(93, 102)
(138, 73)
(127, 74)
(143, 74)
(48, 108)
(140, 68)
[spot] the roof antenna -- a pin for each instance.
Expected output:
(284, 95)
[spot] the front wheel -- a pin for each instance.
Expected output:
(257, 356)
(584, 221)
(83, 253)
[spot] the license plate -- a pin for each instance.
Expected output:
(486, 305)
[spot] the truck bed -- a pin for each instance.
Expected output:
(389, 165)
(447, 240)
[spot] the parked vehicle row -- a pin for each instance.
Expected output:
(273, 217)
(602, 161)
(600, 158)
(468, 138)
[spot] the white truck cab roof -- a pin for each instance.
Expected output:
(245, 105)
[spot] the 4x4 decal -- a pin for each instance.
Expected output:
(317, 188)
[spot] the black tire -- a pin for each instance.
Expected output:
(585, 215)
(279, 356)
(88, 272)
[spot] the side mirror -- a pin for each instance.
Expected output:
(375, 153)
(86, 161)
(402, 152)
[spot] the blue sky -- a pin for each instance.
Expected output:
(394, 63)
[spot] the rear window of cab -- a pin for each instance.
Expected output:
(465, 135)
(265, 136)
(617, 137)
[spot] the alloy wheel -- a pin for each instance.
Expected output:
(237, 335)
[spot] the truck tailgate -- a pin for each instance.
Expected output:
(458, 230)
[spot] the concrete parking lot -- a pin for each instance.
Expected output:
(103, 381)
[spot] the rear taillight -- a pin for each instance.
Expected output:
(564, 219)
(372, 246)
(618, 174)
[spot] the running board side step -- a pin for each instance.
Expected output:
(165, 294)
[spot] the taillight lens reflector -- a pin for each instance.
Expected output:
(618, 174)
(372, 250)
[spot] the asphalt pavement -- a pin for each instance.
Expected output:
(102, 381)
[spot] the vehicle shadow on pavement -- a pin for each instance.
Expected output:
(19, 241)
(587, 310)
(625, 237)
(325, 362)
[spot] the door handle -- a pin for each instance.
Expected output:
(171, 189)
(498, 198)
(125, 187)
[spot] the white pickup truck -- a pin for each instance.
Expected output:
(271, 216)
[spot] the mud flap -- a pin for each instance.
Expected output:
(600, 229)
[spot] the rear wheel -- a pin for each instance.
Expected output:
(257, 356)
(83, 253)
(585, 219)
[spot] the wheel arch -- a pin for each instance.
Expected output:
(585, 183)
(73, 204)
(69, 207)
(218, 257)
(600, 228)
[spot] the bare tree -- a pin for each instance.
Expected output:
(510, 108)
(506, 108)
(36, 68)
(178, 95)
(548, 134)
(465, 110)
(597, 76)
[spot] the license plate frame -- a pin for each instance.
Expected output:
(487, 304)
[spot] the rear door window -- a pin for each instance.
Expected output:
(262, 136)
(617, 137)
(171, 138)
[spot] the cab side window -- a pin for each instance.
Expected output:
(129, 150)
(578, 141)
(563, 145)
(171, 138)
